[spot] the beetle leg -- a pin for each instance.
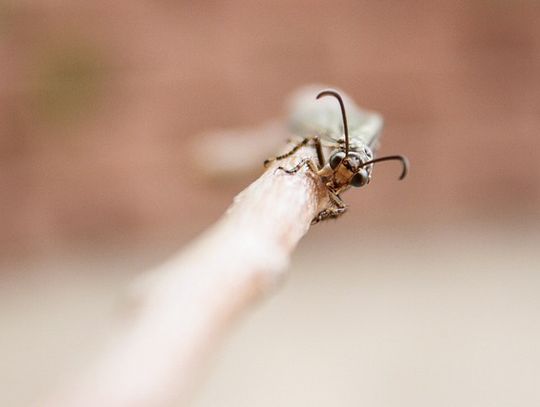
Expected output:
(297, 147)
(293, 150)
(331, 213)
(308, 162)
(320, 154)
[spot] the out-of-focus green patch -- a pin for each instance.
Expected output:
(68, 82)
(6, 12)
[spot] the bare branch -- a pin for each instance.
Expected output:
(184, 306)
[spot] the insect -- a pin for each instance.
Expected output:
(351, 148)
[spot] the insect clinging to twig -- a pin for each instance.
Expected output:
(351, 149)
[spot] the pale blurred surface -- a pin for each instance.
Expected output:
(445, 321)
(446, 317)
(425, 293)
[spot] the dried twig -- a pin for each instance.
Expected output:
(185, 305)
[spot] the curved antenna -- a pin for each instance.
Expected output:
(401, 158)
(345, 126)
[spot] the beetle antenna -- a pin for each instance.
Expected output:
(345, 126)
(401, 158)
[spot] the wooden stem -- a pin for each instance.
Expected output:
(184, 306)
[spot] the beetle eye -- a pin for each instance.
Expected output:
(359, 179)
(336, 159)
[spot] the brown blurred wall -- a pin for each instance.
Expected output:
(98, 102)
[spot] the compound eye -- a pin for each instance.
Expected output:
(360, 179)
(336, 159)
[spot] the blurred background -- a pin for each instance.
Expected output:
(425, 293)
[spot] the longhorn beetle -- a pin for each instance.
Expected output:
(351, 149)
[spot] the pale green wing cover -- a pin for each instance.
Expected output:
(322, 117)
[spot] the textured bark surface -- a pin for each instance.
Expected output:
(183, 307)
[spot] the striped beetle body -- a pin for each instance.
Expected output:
(350, 139)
